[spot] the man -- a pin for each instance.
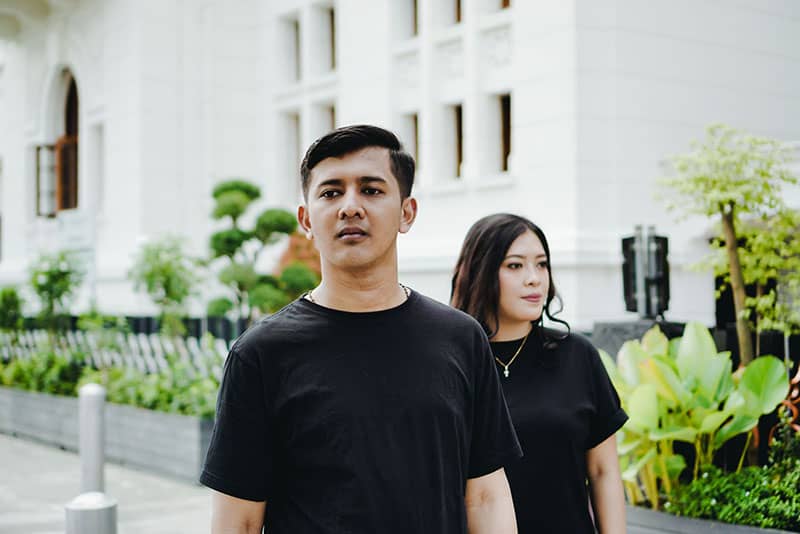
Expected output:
(362, 407)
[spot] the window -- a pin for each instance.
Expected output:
(505, 3)
(446, 12)
(45, 181)
(458, 119)
(505, 129)
(495, 151)
(409, 134)
(405, 15)
(289, 139)
(289, 34)
(322, 40)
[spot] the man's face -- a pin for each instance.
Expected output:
(354, 210)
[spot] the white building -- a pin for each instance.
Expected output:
(560, 110)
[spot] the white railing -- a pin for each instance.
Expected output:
(146, 353)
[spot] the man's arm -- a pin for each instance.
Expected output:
(605, 483)
(230, 515)
(490, 509)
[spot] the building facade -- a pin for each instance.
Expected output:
(117, 117)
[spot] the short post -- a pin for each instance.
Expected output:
(92, 398)
(92, 512)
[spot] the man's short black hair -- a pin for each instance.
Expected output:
(348, 139)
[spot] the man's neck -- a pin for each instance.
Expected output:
(361, 291)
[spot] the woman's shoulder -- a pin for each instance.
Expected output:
(568, 343)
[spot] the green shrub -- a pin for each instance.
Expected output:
(10, 309)
(46, 373)
(54, 279)
(766, 497)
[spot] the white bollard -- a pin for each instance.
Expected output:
(92, 398)
(92, 513)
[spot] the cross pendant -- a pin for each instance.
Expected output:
(505, 372)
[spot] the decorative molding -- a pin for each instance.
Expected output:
(496, 48)
(450, 59)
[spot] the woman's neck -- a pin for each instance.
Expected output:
(507, 331)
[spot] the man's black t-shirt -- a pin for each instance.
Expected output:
(562, 404)
(360, 422)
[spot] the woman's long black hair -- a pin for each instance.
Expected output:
(475, 287)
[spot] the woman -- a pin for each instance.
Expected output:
(563, 405)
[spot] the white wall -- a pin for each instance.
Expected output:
(177, 95)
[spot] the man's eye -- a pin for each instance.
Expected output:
(372, 191)
(330, 193)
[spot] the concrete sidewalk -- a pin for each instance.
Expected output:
(36, 481)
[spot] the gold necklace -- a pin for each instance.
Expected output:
(406, 289)
(514, 357)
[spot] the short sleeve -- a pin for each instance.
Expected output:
(608, 414)
(239, 458)
(494, 442)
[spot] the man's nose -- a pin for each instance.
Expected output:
(351, 206)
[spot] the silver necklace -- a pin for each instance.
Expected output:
(406, 290)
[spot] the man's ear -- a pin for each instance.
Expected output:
(408, 214)
(304, 221)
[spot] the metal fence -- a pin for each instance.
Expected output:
(148, 353)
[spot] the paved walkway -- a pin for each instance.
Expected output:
(36, 481)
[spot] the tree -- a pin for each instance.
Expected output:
(240, 249)
(10, 309)
(55, 278)
(769, 253)
(731, 175)
(168, 275)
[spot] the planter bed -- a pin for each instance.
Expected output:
(645, 521)
(163, 443)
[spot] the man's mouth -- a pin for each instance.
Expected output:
(351, 233)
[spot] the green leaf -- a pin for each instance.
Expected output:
(654, 342)
(629, 357)
(687, 434)
(630, 473)
(712, 421)
(696, 347)
(643, 407)
(660, 374)
(734, 427)
(764, 385)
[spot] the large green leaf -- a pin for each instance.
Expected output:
(734, 427)
(712, 421)
(624, 447)
(655, 343)
(611, 368)
(632, 470)
(712, 373)
(764, 385)
(695, 347)
(687, 434)
(629, 357)
(643, 407)
(658, 372)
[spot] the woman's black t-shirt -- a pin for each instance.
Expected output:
(360, 422)
(562, 403)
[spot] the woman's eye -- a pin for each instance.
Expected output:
(515, 266)
(543, 265)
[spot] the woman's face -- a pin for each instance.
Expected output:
(524, 281)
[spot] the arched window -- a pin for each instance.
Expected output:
(57, 163)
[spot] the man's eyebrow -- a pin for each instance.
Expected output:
(340, 181)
